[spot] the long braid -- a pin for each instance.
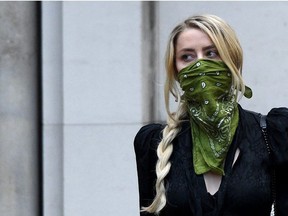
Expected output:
(164, 151)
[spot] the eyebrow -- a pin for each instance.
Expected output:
(191, 50)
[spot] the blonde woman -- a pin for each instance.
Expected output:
(210, 158)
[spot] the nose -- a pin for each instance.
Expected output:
(200, 55)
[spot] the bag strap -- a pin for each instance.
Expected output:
(263, 126)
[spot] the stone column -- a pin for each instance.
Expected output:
(20, 110)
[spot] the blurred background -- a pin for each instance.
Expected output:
(79, 79)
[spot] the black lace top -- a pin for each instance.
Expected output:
(246, 187)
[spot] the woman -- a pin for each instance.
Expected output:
(210, 158)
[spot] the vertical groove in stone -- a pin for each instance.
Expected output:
(149, 59)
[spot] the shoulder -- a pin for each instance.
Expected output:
(147, 138)
(277, 127)
(249, 118)
(277, 124)
(277, 118)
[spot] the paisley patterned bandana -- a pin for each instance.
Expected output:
(213, 111)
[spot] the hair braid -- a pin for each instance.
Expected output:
(164, 151)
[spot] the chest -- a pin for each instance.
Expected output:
(246, 183)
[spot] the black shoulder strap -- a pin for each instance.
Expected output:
(263, 123)
(263, 126)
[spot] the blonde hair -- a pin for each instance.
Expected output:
(230, 51)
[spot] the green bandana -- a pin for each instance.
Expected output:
(212, 107)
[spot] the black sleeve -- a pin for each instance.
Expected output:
(277, 126)
(145, 146)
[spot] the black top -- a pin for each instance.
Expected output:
(245, 189)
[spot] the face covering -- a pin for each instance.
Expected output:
(213, 112)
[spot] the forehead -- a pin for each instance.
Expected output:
(193, 37)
